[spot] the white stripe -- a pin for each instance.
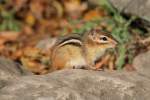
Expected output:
(71, 41)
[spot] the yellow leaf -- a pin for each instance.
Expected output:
(30, 19)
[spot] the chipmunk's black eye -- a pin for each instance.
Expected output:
(103, 38)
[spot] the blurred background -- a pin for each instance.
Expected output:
(24, 24)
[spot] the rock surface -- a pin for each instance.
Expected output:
(142, 64)
(78, 85)
(135, 7)
(10, 69)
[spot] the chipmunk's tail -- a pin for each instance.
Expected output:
(38, 59)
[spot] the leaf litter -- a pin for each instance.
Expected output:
(23, 23)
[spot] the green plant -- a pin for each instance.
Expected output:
(87, 26)
(84, 26)
(120, 31)
(8, 22)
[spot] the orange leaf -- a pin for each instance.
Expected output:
(94, 14)
(8, 36)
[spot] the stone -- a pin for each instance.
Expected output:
(9, 69)
(142, 64)
(139, 8)
(46, 43)
(78, 84)
(135, 7)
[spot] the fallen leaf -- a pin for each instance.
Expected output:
(8, 36)
(94, 14)
(74, 8)
(30, 19)
(129, 67)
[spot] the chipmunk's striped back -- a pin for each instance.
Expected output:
(70, 40)
(68, 53)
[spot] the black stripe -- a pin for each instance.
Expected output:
(69, 37)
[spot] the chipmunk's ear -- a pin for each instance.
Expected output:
(92, 34)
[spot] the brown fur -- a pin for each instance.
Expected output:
(73, 49)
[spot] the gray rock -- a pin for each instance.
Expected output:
(46, 43)
(77, 84)
(9, 69)
(142, 64)
(135, 7)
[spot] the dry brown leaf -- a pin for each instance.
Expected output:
(46, 26)
(30, 19)
(94, 14)
(129, 67)
(37, 8)
(34, 66)
(146, 40)
(17, 54)
(8, 36)
(74, 8)
(31, 52)
(36, 61)
(59, 7)
(18, 3)
(27, 30)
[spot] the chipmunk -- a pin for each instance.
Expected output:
(74, 51)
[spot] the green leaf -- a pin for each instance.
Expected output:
(121, 59)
